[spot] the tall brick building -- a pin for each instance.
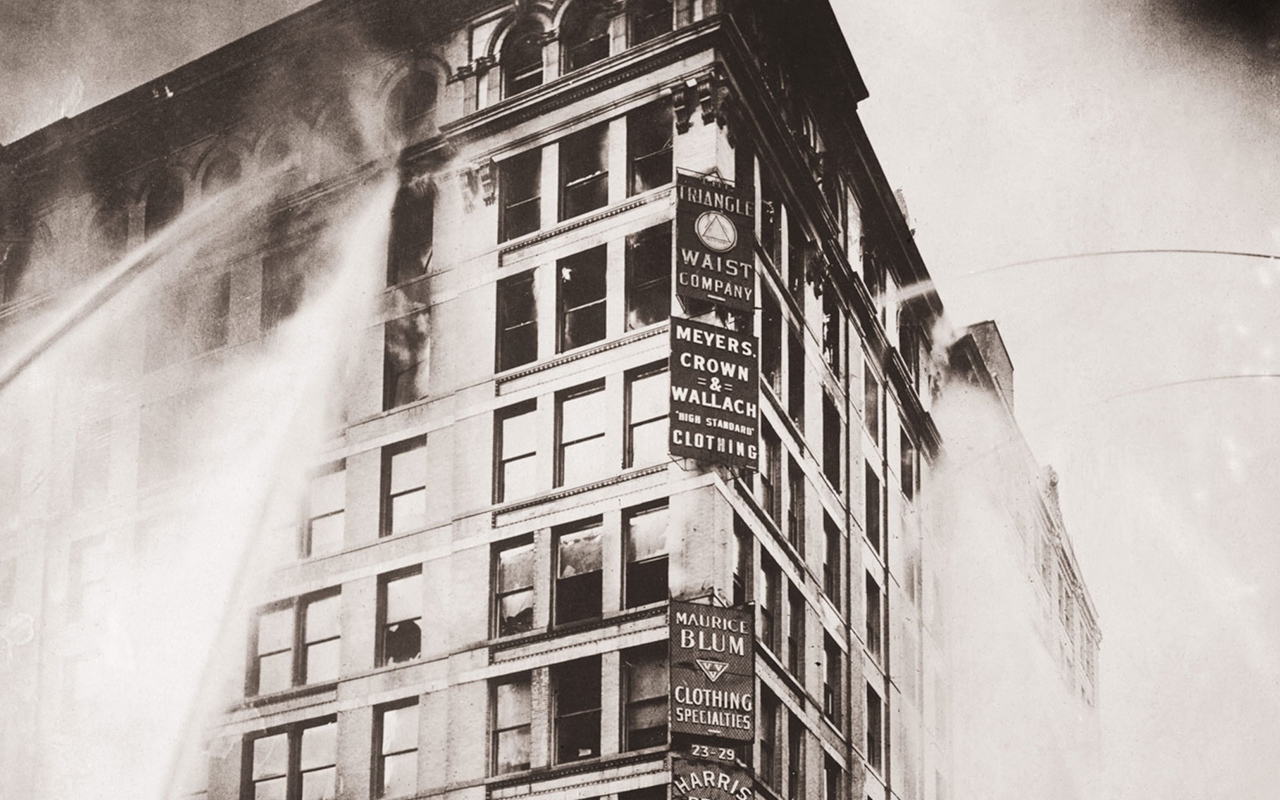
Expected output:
(522, 568)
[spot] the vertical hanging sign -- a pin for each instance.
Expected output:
(713, 672)
(715, 231)
(715, 379)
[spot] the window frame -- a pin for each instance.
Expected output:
(563, 446)
(496, 732)
(637, 161)
(632, 659)
(581, 259)
(596, 611)
(306, 545)
(380, 756)
(517, 77)
(387, 528)
(500, 593)
(630, 580)
(506, 328)
(414, 324)
(294, 774)
(299, 642)
(659, 286)
(529, 164)
(559, 716)
(576, 179)
(501, 459)
(632, 425)
(385, 623)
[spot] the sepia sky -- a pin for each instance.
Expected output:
(1021, 131)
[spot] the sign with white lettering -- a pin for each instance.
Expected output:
(715, 232)
(701, 780)
(715, 380)
(713, 683)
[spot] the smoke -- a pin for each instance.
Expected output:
(171, 522)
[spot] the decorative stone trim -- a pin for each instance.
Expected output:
(587, 487)
(581, 354)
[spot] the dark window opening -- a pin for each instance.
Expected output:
(771, 475)
(871, 402)
(575, 687)
(646, 576)
(769, 735)
(874, 528)
(831, 779)
(770, 603)
(795, 377)
(517, 321)
(164, 204)
(520, 193)
(221, 173)
(400, 604)
(581, 298)
(741, 557)
(648, 276)
(795, 758)
(798, 250)
(406, 364)
(832, 559)
(771, 218)
(645, 689)
(579, 574)
(875, 730)
(522, 61)
(648, 19)
(832, 433)
(584, 171)
(771, 341)
(650, 132)
(875, 619)
(832, 322)
(585, 33)
(513, 589)
(284, 283)
(412, 233)
(795, 508)
(413, 101)
(795, 633)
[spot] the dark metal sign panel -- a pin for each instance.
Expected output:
(707, 780)
(715, 234)
(715, 394)
(713, 676)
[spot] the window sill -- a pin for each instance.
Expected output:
(580, 353)
(607, 620)
(558, 771)
(582, 220)
(560, 494)
(292, 693)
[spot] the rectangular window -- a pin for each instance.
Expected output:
(832, 433)
(580, 421)
(207, 328)
(579, 565)
(575, 689)
(769, 735)
(771, 475)
(162, 439)
(647, 556)
(513, 588)
(771, 340)
(284, 283)
(400, 618)
(645, 688)
(406, 360)
(580, 298)
(87, 577)
(520, 194)
(648, 403)
(511, 715)
(517, 452)
(649, 276)
(832, 324)
(584, 171)
(830, 779)
(873, 526)
(517, 321)
(798, 247)
(832, 558)
(648, 19)
(795, 758)
(910, 471)
(396, 732)
(795, 377)
(875, 730)
(770, 603)
(91, 469)
(650, 131)
(741, 557)
(831, 680)
(795, 505)
(875, 619)
(409, 245)
(871, 402)
(296, 643)
(795, 633)
(770, 218)
(299, 763)
(404, 482)
(326, 512)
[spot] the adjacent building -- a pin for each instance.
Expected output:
(528, 565)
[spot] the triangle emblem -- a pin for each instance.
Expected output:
(712, 669)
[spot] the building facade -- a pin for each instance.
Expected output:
(509, 579)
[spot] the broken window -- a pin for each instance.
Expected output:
(584, 171)
(647, 408)
(517, 321)
(512, 714)
(407, 359)
(580, 420)
(645, 689)
(646, 578)
(513, 588)
(648, 276)
(575, 687)
(326, 512)
(409, 246)
(650, 131)
(519, 192)
(396, 745)
(579, 565)
(522, 60)
(580, 295)
(517, 446)
(404, 480)
(400, 607)
(585, 33)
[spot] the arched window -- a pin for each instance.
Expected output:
(648, 19)
(522, 60)
(412, 232)
(223, 171)
(164, 202)
(413, 101)
(585, 34)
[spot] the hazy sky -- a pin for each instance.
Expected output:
(1022, 130)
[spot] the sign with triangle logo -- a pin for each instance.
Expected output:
(713, 669)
